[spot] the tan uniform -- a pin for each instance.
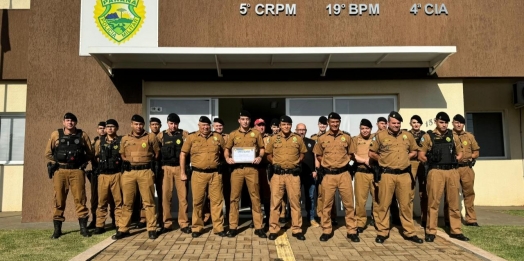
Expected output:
(364, 183)
(69, 177)
(394, 157)
(336, 150)
(226, 183)
(205, 152)
(247, 172)
(467, 175)
(418, 173)
(170, 180)
(139, 151)
(320, 207)
(438, 182)
(109, 189)
(286, 153)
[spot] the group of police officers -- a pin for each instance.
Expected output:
(386, 164)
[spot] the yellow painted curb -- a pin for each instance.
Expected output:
(284, 250)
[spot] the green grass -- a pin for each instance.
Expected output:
(519, 213)
(34, 244)
(504, 241)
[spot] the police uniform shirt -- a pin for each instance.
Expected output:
(53, 142)
(426, 143)
(204, 150)
(139, 149)
(250, 138)
(362, 145)
(315, 136)
(393, 149)
(286, 151)
(266, 138)
(469, 144)
(335, 149)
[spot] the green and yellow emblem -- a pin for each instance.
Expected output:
(404, 137)
(295, 139)
(119, 20)
(144, 145)
(343, 139)
(177, 141)
(448, 139)
(252, 134)
(465, 143)
(215, 138)
(115, 147)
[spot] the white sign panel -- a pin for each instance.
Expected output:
(105, 23)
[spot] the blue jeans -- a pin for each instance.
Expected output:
(309, 187)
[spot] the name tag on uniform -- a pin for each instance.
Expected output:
(243, 154)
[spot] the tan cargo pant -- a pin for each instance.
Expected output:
(279, 184)
(172, 177)
(417, 171)
(320, 204)
(64, 179)
(364, 185)
(201, 181)
(467, 182)
(330, 184)
(146, 188)
(400, 185)
(438, 182)
(109, 190)
(250, 175)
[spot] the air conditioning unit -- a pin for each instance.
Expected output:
(518, 94)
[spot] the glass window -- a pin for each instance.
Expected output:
(354, 109)
(488, 129)
(307, 111)
(12, 133)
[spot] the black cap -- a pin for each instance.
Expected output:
(442, 116)
(322, 120)
(138, 118)
(204, 119)
(460, 118)
(286, 119)
(395, 115)
(102, 123)
(334, 115)
(219, 121)
(366, 122)
(155, 119)
(112, 122)
(274, 122)
(382, 119)
(417, 118)
(70, 116)
(245, 113)
(173, 117)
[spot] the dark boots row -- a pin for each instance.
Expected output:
(58, 228)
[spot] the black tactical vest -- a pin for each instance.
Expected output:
(443, 150)
(110, 160)
(171, 147)
(418, 137)
(70, 148)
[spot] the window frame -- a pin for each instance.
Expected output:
(504, 135)
(13, 115)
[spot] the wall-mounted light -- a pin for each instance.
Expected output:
(274, 104)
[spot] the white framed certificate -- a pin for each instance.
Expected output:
(243, 154)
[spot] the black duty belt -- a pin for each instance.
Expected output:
(443, 167)
(334, 171)
(109, 172)
(205, 170)
(140, 167)
(364, 170)
(243, 165)
(68, 166)
(396, 171)
(286, 171)
(463, 164)
(170, 164)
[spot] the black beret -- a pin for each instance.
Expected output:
(366, 122)
(138, 118)
(459, 118)
(322, 120)
(173, 117)
(395, 115)
(417, 118)
(274, 122)
(245, 113)
(286, 118)
(219, 121)
(204, 119)
(155, 119)
(442, 116)
(113, 122)
(70, 116)
(102, 123)
(334, 115)
(382, 119)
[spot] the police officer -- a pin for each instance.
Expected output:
(334, 150)
(441, 149)
(171, 142)
(393, 148)
(285, 151)
(306, 177)
(109, 166)
(417, 169)
(470, 152)
(275, 126)
(205, 149)
(265, 192)
(382, 124)
(364, 183)
(71, 149)
(154, 125)
(284, 211)
(138, 149)
(245, 136)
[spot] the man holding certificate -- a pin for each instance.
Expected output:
(244, 150)
(285, 151)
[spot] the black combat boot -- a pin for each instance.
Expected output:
(58, 229)
(92, 224)
(83, 227)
